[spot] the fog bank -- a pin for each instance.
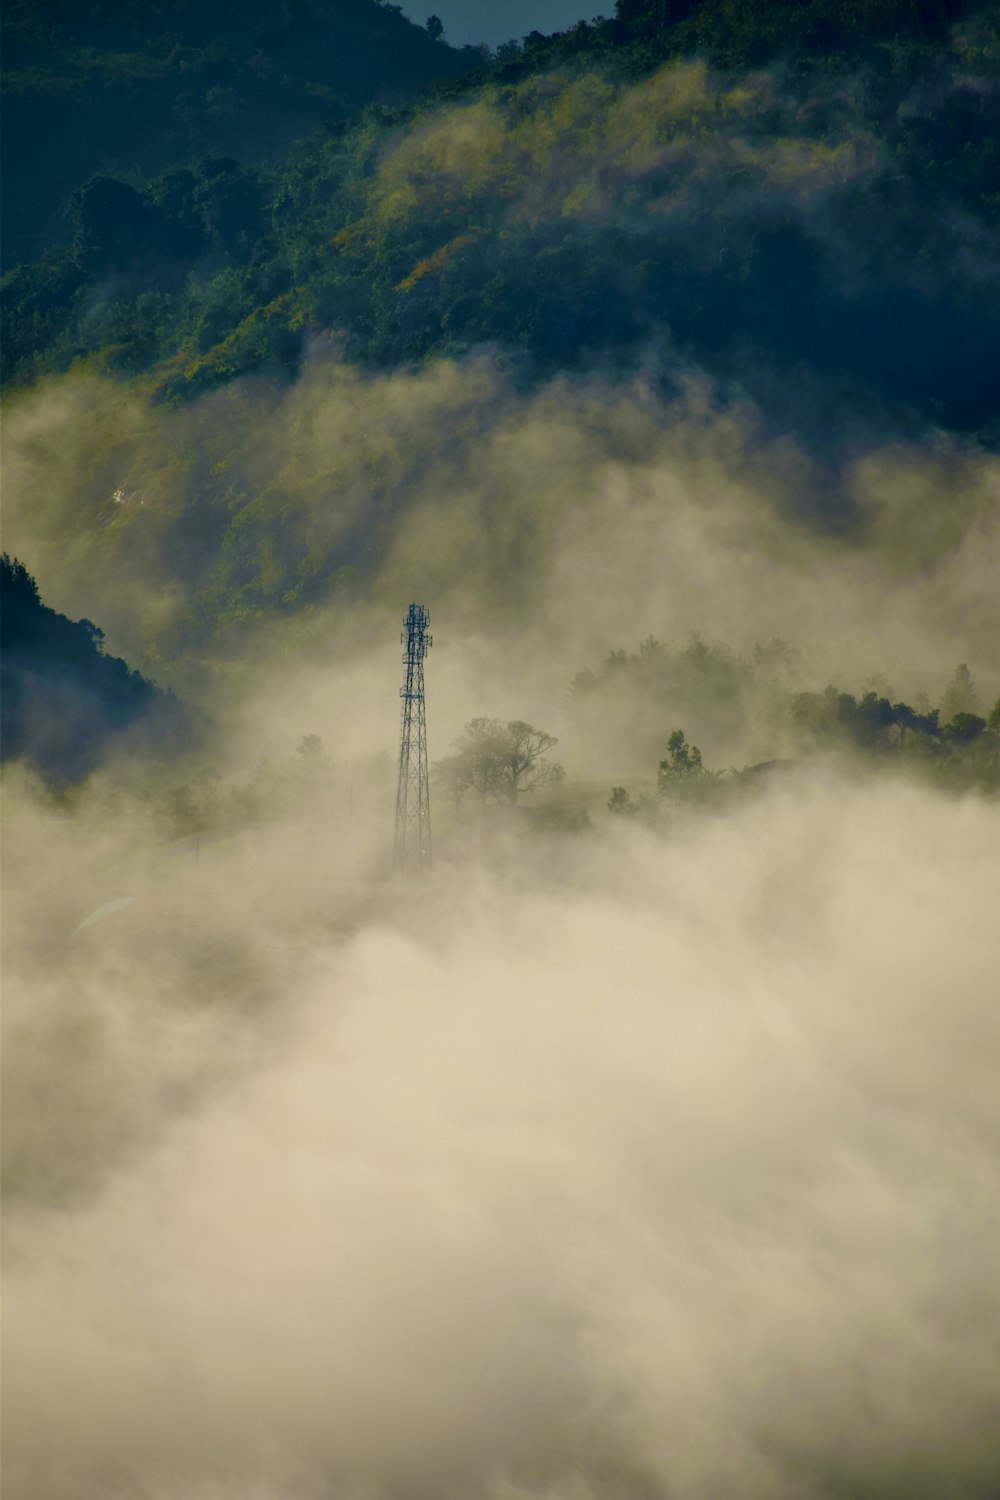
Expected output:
(669, 1168)
(264, 543)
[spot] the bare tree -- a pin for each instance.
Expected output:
(496, 762)
(523, 750)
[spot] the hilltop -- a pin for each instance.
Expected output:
(135, 90)
(759, 193)
(770, 227)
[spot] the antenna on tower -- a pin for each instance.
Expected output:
(411, 848)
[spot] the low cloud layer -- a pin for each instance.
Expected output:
(666, 1170)
(242, 548)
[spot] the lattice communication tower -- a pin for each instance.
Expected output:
(411, 848)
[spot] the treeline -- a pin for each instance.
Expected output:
(829, 218)
(960, 756)
(762, 699)
(65, 703)
(623, 703)
(873, 725)
(642, 34)
(137, 90)
(956, 744)
(68, 709)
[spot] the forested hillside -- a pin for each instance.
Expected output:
(808, 189)
(65, 703)
(429, 343)
(135, 90)
(593, 1097)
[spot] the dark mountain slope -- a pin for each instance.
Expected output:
(819, 232)
(64, 702)
(135, 89)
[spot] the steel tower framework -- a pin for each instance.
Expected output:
(411, 848)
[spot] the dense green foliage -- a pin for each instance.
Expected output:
(798, 200)
(136, 90)
(819, 232)
(65, 703)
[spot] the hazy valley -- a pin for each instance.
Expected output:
(647, 1145)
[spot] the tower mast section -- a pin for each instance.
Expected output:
(411, 848)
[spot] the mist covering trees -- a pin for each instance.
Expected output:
(568, 203)
(68, 707)
(497, 762)
(960, 697)
(866, 733)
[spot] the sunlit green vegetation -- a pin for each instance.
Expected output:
(628, 184)
(797, 201)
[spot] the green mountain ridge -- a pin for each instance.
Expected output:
(780, 220)
(135, 90)
(818, 232)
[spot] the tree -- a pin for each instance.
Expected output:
(681, 776)
(114, 224)
(682, 759)
(496, 762)
(963, 728)
(310, 749)
(435, 28)
(452, 775)
(960, 696)
(313, 768)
